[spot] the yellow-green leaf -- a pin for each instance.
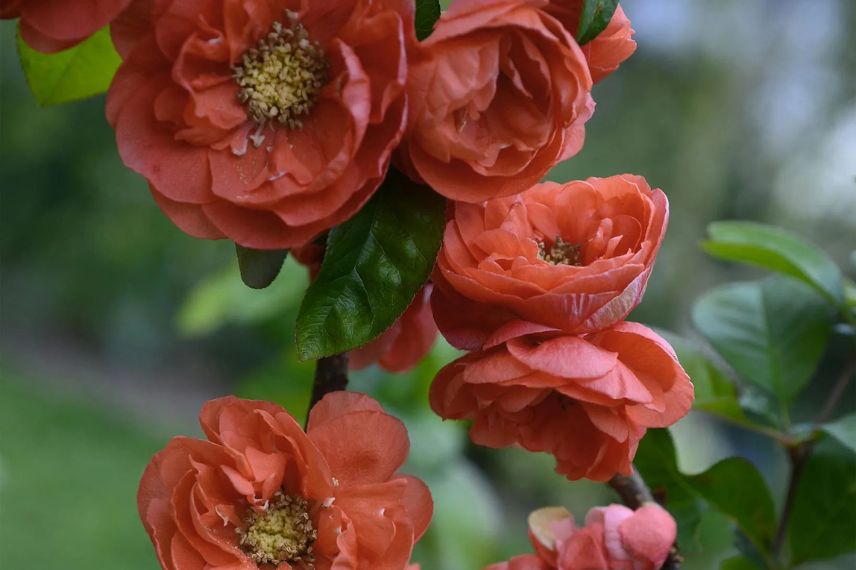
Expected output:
(76, 73)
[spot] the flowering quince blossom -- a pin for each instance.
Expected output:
(262, 493)
(586, 399)
(606, 51)
(500, 93)
(262, 121)
(54, 25)
(405, 343)
(614, 538)
(574, 257)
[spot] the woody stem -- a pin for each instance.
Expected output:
(331, 375)
(634, 492)
(800, 453)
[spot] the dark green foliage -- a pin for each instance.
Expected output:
(374, 265)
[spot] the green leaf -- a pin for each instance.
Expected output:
(844, 430)
(715, 392)
(427, 14)
(656, 461)
(594, 18)
(76, 73)
(259, 267)
(374, 265)
(772, 332)
(850, 293)
(738, 563)
(823, 519)
(778, 250)
(735, 488)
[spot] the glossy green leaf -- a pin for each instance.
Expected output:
(76, 73)
(715, 392)
(823, 520)
(594, 18)
(656, 461)
(844, 430)
(427, 14)
(259, 267)
(772, 332)
(778, 250)
(374, 265)
(735, 488)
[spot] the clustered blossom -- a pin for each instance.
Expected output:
(268, 122)
(613, 538)
(262, 493)
(538, 286)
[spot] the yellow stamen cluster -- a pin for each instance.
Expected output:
(283, 532)
(281, 77)
(561, 252)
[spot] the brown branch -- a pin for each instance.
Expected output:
(838, 389)
(331, 375)
(799, 453)
(634, 492)
(798, 456)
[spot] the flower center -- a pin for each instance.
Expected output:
(561, 252)
(283, 532)
(281, 77)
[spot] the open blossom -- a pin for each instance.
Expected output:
(262, 493)
(405, 343)
(500, 94)
(574, 257)
(606, 51)
(587, 400)
(262, 121)
(54, 25)
(613, 538)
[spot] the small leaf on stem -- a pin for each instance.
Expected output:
(735, 488)
(778, 250)
(823, 522)
(772, 332)
(594, 18)
(844, 430)
(374, 265)
(427, 14)
(259, 267)
(76, 73)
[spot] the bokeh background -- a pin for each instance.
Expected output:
(115, 327)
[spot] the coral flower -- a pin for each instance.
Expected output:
(587, 400)
(606, 51)
(573, 257)
(405, 343)
(54, 25)
(261, 493)
(614, 538)
(501, 93)
(262, 121)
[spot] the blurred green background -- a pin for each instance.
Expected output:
(116, 327)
